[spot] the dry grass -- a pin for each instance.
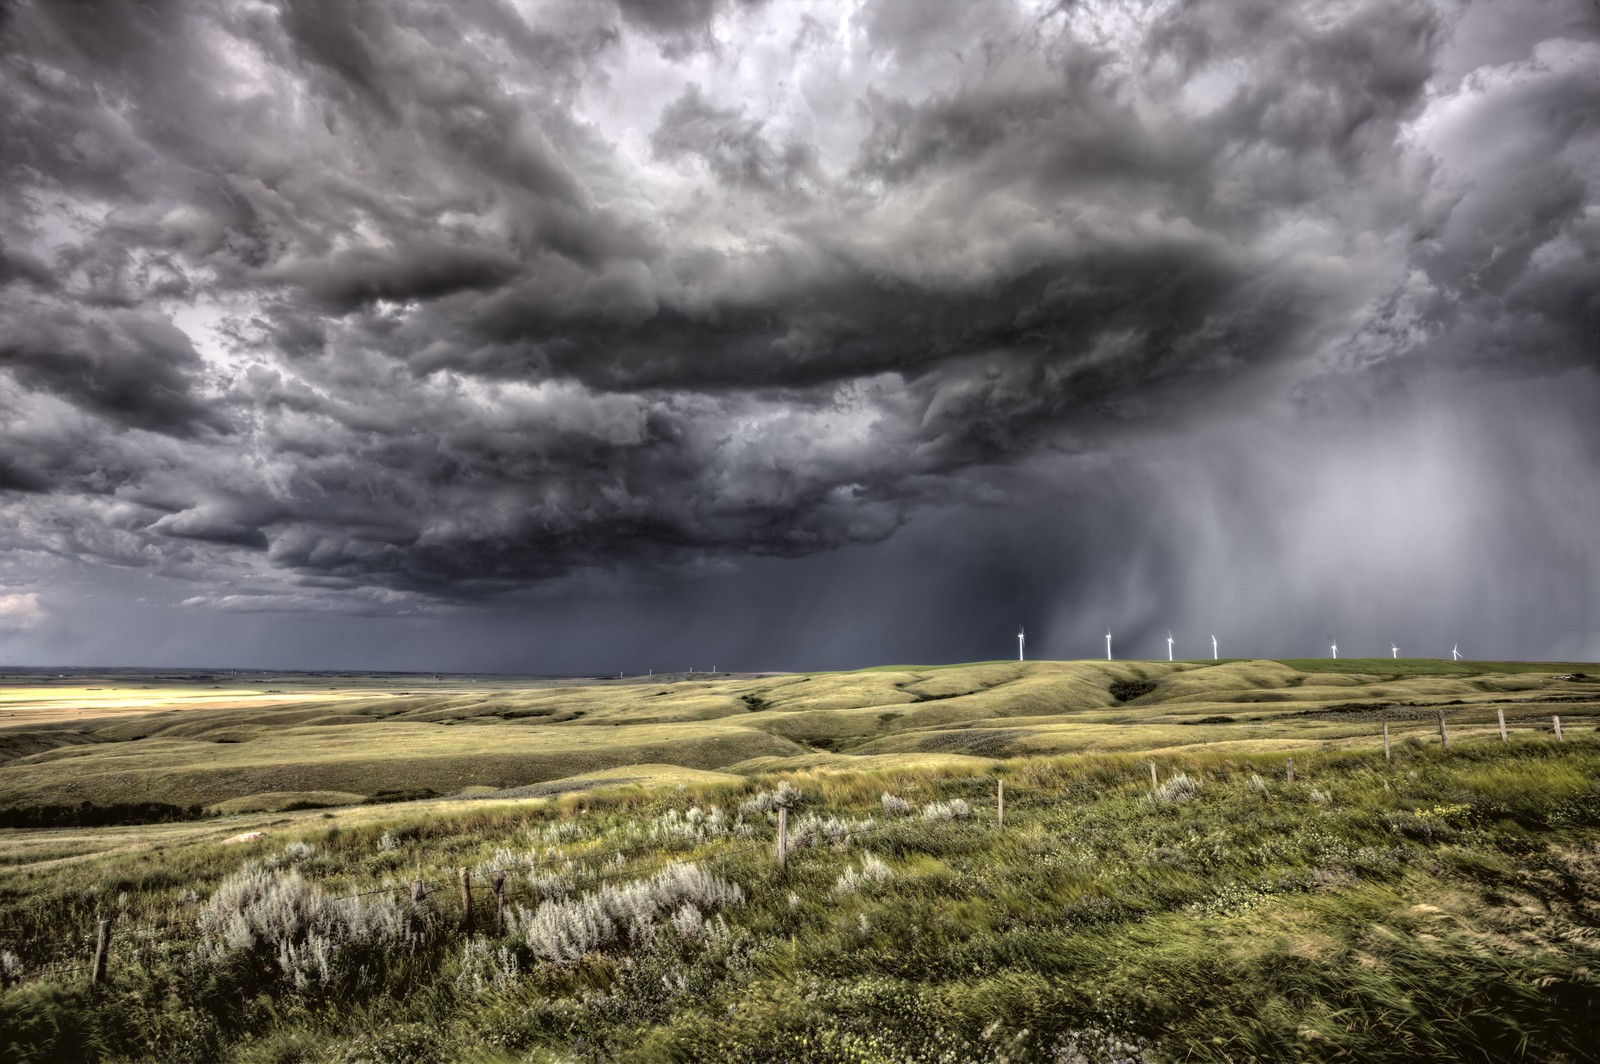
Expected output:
(242, 749)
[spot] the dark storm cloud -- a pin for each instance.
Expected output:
(136, 370)
(404, 302)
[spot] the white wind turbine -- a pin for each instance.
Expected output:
(1394, 651)
(1455, 652)
(1020, 638)
(1213, 648)
(1335, 644)
(1108, 644)
(1169, 646)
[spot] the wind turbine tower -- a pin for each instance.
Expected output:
(1455, 652)
(1169, 646)
(1108, 644)
(1020, 639)
(1335, 650)
(1213, 648)
(1394, 651)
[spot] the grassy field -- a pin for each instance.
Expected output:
(1440, 905)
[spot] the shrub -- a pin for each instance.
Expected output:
(837, 832)
(291, 926)
(695, 825)
(566, 930)
(298, 851)
(1127, 690)
(1177, 789)
(872, 871)
(783, 796)
(486, 967)
(896, 806)
(954, 809)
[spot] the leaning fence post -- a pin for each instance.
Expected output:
(102, 951)
(783, 837)
(1386, 756)
(1500, 713)
(999, 803)
(499, 903)
(466, 902)
(1288, 769)
(419, 894)
(1558, 728)
(1444, 736)
(1154, 783)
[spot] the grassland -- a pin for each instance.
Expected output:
(1440, 905)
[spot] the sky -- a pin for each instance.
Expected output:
(531, 336)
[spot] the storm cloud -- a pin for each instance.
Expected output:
(445, 310)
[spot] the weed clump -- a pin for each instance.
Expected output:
(896, 806)
(486, 968)
(834, 831)
(954, 809)
(569, 929)
(872, 871)
(784, 796)
(694, 825)
(291, 927)
(1179, 788)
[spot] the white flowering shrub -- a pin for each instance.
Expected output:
(837, 832)
(694, 825)
(564, 930)
(486, 968)
(954, 809)
(389, 841)
(10, 968)
(872, 871)
(689, 921)
(1177, 789)
(298, 851)
(292, 925)
(783, 796)
(562, 831)
(896, 806)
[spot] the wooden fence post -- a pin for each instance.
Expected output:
(783, 837)
(1288, 769)
(1444, 736)
(1500, 713)
(466, 902)
(1558, 728)
(1386, 756)
(102, 951)
(1000, 804)
(499, 903)
(419, 894)
(1154, 783)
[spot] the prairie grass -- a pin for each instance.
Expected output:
(1441, 905)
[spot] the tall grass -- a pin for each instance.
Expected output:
(1440, 906)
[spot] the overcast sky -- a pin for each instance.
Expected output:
(576, 337)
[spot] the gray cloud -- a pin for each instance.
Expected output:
(388, 307)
